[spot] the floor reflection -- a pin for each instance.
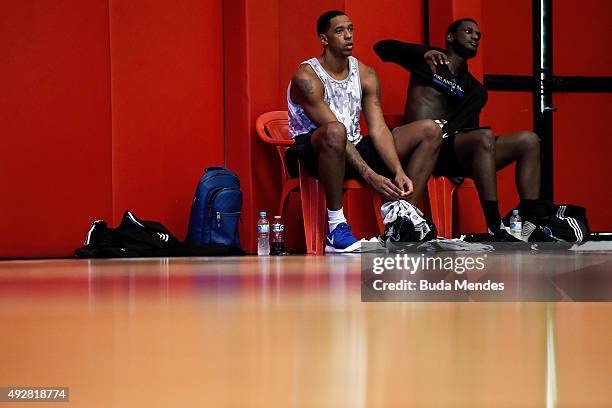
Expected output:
(285, 332)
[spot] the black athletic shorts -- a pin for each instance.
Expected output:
(303, 151)
(448, 163)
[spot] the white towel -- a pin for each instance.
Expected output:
(393, 210)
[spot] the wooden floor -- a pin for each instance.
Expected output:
(286, 332)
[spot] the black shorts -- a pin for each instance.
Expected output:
(448, 164)
(303, 151)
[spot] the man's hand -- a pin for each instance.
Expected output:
(404, 183)
(385, 187)
(434, 57)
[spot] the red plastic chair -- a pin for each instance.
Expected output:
(273, 128)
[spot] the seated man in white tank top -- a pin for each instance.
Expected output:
(325, 99)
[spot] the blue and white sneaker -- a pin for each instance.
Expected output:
(341, 239)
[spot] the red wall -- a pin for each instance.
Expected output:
(55, 124)
(582, 140)
(582, 155)
(507, 35)
(104, 108)
(167, 105)
(581, 38)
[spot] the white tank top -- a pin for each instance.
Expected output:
(343, 97)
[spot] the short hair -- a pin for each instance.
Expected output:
(324, 20)
(452, 28)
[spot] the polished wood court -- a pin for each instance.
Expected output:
(287, 332)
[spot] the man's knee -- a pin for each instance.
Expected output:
(335, 137)
(530, 142)
(423, 132)
(483, 140)
(432, 134)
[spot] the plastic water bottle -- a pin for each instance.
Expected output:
(516, 224)
(263, 234)
(278, 239)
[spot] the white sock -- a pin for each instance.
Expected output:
(334, 218)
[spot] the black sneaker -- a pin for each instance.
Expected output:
(501, 235)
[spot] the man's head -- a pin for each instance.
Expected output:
(463, 37)
(335, 30)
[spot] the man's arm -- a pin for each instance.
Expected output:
(467, 113)
(307, 91)
(379, 132)
(410, 56)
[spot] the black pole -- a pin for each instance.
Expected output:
(542, 95)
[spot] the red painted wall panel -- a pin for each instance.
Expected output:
(507, 36)
(167, 105)
(105, 110)
(441, 14)
(55, 125)
(238, 121)
(581, 37)
(582, 146)
(401, 20)
(264, 21)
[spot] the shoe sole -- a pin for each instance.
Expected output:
(356, 247)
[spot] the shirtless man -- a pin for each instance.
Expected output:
(325, 99)
(441, 88)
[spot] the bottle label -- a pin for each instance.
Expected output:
(263, 228)
(278, 227)
(516, 225)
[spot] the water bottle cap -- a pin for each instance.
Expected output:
(514, 211)
(263, 214)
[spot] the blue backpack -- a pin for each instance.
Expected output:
(216, 209)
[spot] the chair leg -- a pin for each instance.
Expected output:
(446, 189)
(287, 189)
(377, 203)
(319, 205)
(309, 195)
(434, 205)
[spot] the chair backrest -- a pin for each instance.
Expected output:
(273, 125)
(273, 128)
